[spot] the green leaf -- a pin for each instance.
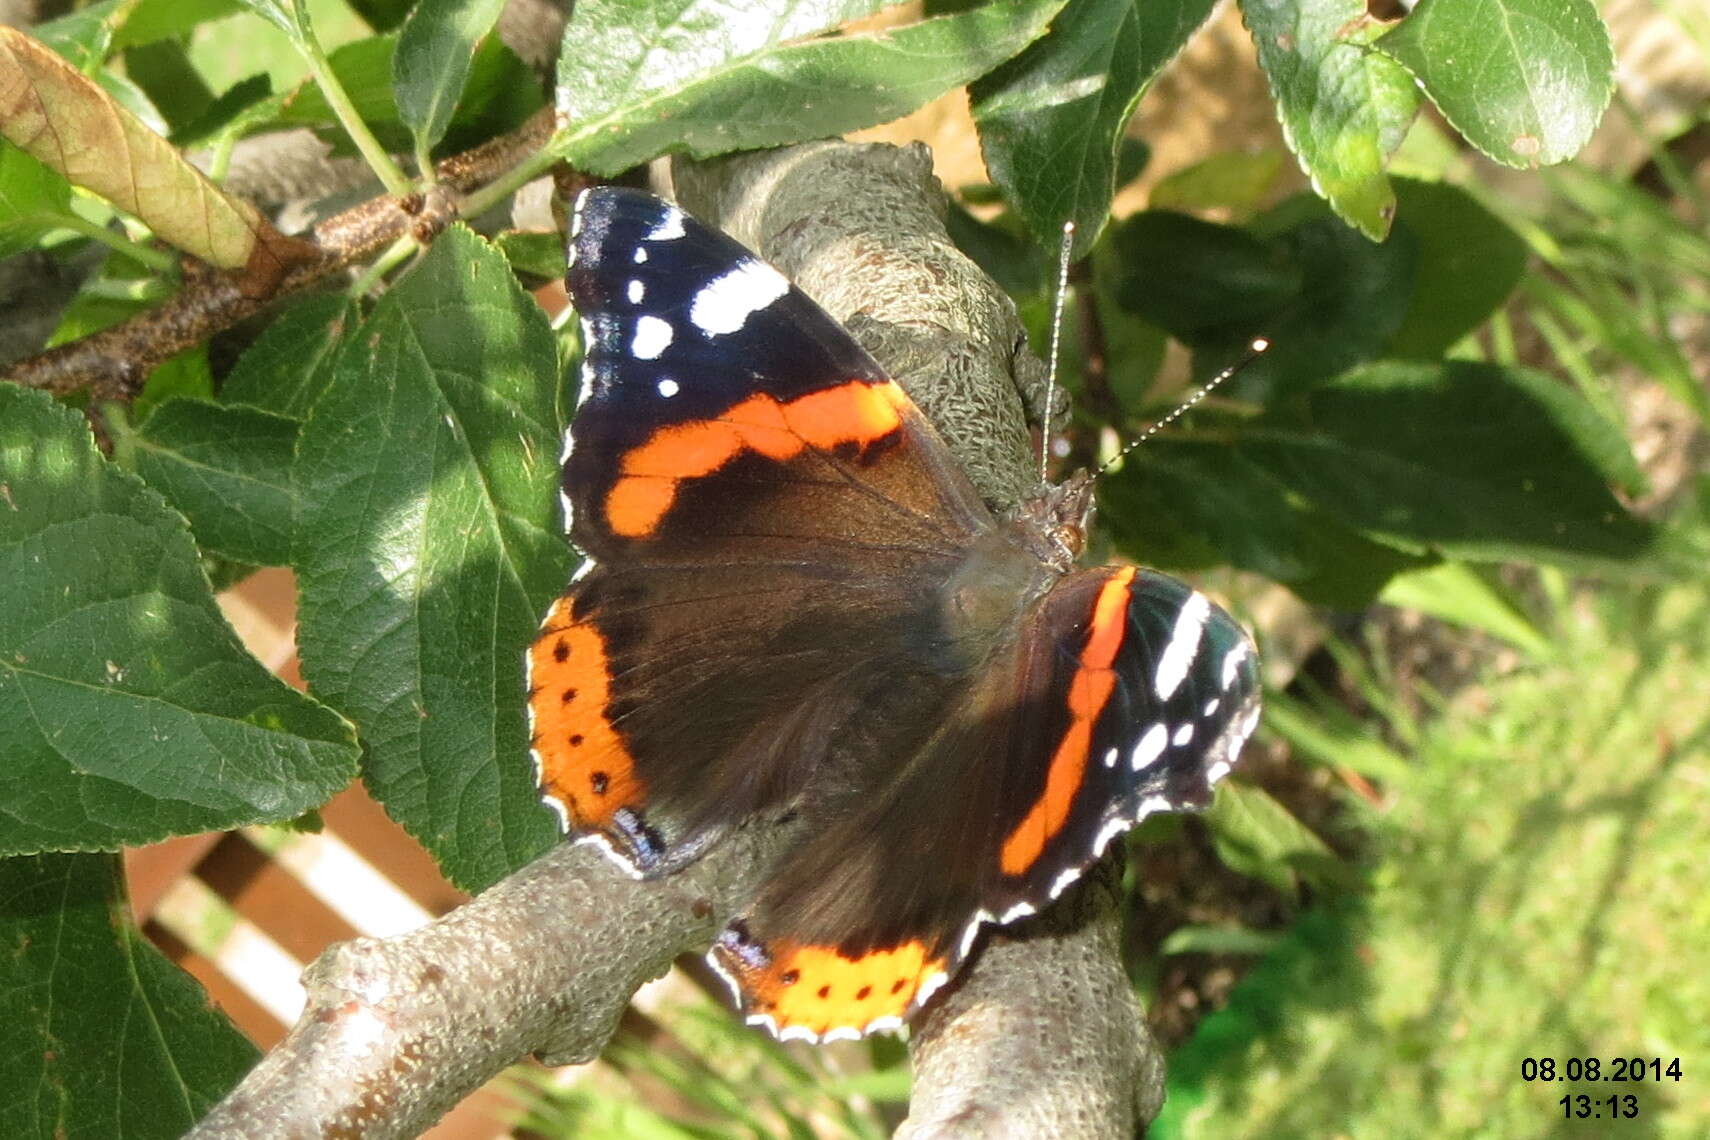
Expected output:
(1196, 279)
(1218, 940)
(170, 82)
(1525, 81)
(152, 20)
(283, 371)
(279, 13)
(1325, 297)
(33, 200)
(1051, 120)
(1186, 504)
(1469, 262)
(100, 1036)
(638, 79)
(538, 254)
(128, 710)
(1461, 595)
(227, 469)
(500, 93)
(1238, 181)
(432, 62)
(1343, 108)
(1470, 459)
(84, 37)
(1259, 837)
(1331, 737)
(383, 15)
(429, 546)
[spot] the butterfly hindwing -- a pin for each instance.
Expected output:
(979, 822)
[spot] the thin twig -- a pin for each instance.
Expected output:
(114, 362)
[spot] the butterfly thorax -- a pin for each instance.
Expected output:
(1008, 568)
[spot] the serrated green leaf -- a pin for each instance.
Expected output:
(428, 547)
(100, 1036)
(1343, 108)
(1469, 262)
(1471, 459)
(227, 469)
(1459, 594)
(638, 79)
(33, 200)
(1525, 81)
(128, 709)
(1052, 119)
(432, 62)
(1257, 836)
(284, 370)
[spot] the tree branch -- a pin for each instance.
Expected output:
(114, 362)
(1040, 1036)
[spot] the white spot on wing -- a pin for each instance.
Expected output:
(640, 255)
(725, 303)
(652, 337)
(668, 387)
(1065, 881)
(1232, 662)
(1151, 747)
(1109, 831)
(636, 292)
(1184, 643)
(1111, 757)
(670, 226)
(1183, 734)
(1211, 705)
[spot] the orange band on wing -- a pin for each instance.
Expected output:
(649, 475)
(1089, 691)
(819, 990)
(584, 764)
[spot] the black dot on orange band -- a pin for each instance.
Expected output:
(600, 781)
(863, 993)
(897, 986)
(790, 977)
(824, 992)
(569, 695)
(561, 652)
(575, 740)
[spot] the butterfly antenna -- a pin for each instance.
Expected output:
(1063, 252)
(1255, 350)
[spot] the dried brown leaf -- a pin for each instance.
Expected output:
(64, 119)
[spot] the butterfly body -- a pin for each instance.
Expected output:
(795, 600)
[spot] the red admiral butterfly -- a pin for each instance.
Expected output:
(793, 595)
